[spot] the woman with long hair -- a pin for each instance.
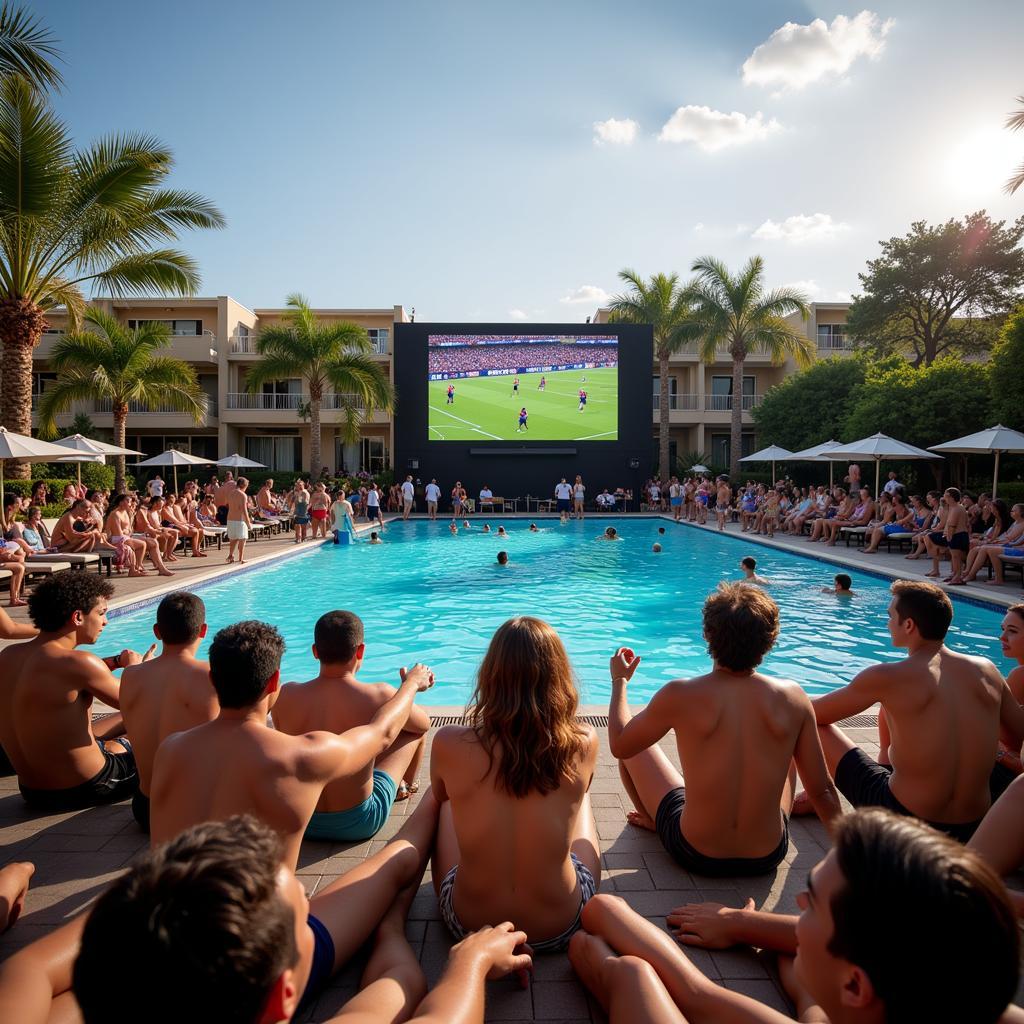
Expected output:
(517, 839)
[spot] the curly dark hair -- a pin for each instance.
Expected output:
(58, 597)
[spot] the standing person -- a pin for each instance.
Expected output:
(563, 496)
(155, 487)
(523, 416)
(722, 502)
(675, 498)
(300, 510)
(451, 395)
(433, 495)
(319, 506)
(516, 836)
(169, 694)
(457, 499)
(543, 383)
(726, 821)
(579, 492)
(954, 536)
(373, 510)
(220, 496)
(583, 400)
(342, 518)
(853, 477)
(238, 521)
(515, 387)
(408, 497)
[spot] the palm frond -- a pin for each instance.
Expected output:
(1015, 181)
(62, 293)
(166, 271)
(60, 396)
(26, 49)
(274, 366)
(1015, 121)
(357, 374)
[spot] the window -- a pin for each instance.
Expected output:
(832, 337)
(720, 447)
(672, 392)
(379, 339)
(41, 381)
(722, 386)
(283, 454)
(179, 328)
(372, 454)
(282, 394)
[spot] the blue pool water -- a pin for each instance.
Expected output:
(426, 595)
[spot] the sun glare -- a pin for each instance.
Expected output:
(977, 166)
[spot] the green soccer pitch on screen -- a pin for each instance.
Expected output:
(523, 387)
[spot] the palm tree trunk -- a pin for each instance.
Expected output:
(736, 427)
(314, 436)
(663, 416)
(21, 325)
(120, 410)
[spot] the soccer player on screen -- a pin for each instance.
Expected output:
(583, 400)
(451, 395)
(522, 420)
(543, 384)
(515, 387)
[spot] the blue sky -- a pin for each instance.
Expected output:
(505, 160)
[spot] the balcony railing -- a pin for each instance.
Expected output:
(677, 402)
(834, 344)
(246, 343)
(104, 405)
(284, 403)
(723, 403)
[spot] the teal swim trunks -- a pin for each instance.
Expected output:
(359, 822)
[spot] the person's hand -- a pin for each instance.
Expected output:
(623, 663)
(497, 947)
(129, 657)
(14, 879)
(707, 925)
(151, 652)
(418, 674)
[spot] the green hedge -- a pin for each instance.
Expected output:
(283, 481)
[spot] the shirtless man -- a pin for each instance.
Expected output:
(938, 726)
(220, 498)
(723, 498)
(953, 535)
(258, 770)
(748, 566)
(354, 806)
(119, 523)
(149, 525)
(172, 517)
(265, 501)
(47, 687)
(238, 520)
(169, 694)
(733, 816)
(69, 540)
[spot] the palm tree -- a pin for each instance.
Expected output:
(324, 354)
(26, 48)
(113, 362)
(69, 217)
(665, 304)
(736, 312)
(1015, 122)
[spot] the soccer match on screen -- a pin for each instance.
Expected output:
(523, 387)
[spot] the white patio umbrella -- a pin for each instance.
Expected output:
(237, 461)
(172, 457)
(878, 447)
(88, 450)
(773, 453)
(818, 453)
(22, 448)
(699, 468)
(996, 440)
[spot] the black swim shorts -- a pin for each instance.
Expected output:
(322, 967)
(865, 783)
(116, 780)
(563, 504)
(958, 542)
(667, 826)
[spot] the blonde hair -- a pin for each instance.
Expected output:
(523, 709)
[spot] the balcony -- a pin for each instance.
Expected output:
(245, 345)
(723, 403)
(104, 405)
(688, 403)
(241, 405)
(191, 348)
(835, 344)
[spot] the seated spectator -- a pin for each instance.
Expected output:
(730, 819)
(356, 805)
(517, 837)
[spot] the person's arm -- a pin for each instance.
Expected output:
(349, 752)
(810, 763)
(848, 700)
(628, 736)
(39, 974)
(1011, 719)
(11, 630)
(714, 926)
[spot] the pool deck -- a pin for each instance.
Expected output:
(78, 853)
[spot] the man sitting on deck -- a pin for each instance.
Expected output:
(728, 820)
(938, 726)
(237, 765)
(356, 805)
(169, 694)
(47, 687)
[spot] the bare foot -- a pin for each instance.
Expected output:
(166, 572)
(935, 574)
(802, 805)
(241, 561)
(132, 574)
(912, 558)
(199, 554)
(641, 820)
(16, 602)
(230, 559)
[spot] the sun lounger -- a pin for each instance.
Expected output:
(855, 532)
(45, 568)
(77, 560)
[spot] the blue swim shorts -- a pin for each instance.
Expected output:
(359, 822)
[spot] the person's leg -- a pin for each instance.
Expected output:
(241, 551)
(628, 989)
(110, 727)
(402, 760)
(997, 567)
(17, 571)
(155, 557)
(999, 838)
(14, 879)
(647, 778)
(351, 907)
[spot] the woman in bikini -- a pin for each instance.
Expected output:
(517, 839)
(319, 507)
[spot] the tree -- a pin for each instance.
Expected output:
(1015, 122)
(737, 313)
(324, 354)
(69, 217)
(812, 405)
(112, 362)
(1006, 374)
(26, 49)
(921, 405)
(665, 305)
(934, 291)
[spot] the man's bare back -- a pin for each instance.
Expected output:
(513, 852)
(237, 502)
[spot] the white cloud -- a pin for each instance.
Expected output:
(801, 228)
(698, 227)
(796, 55)
(843, 297)
(614, 132)
(586, 294)
(713, 129)
(518, 314)
(810, 288)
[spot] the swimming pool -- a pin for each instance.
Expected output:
(426, 595)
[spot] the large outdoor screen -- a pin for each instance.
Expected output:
(523, 387)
